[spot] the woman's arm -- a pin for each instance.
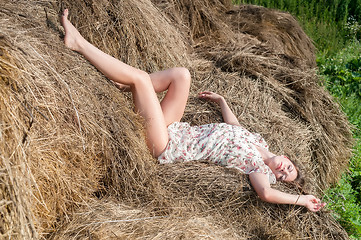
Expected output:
(261, 184)
(227, 114)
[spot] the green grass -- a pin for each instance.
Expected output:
(344, 198)
(342, 74)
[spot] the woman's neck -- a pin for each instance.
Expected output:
(265, 154)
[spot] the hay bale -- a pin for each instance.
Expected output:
(70, 142)
(107, 219)
(197, 19)
(16, 219)
(228, 196)
(278, 30)
(69, 138)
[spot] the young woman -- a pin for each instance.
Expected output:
(227, 144)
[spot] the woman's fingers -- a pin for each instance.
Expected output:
(316, 200)
(204, 93)
(315, 204)
(318, 205)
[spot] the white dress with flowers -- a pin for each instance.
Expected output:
(224, 144)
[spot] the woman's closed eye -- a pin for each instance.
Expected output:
(284, 175)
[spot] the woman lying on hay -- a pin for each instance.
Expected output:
(227, 144)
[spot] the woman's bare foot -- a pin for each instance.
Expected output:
(72, 39)
(123, 87)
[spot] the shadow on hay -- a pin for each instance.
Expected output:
(73, 152)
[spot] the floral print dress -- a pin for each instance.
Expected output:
(224, 144)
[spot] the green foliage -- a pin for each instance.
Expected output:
(344, 80)
(355, 168)
(344, 198)
(352, 107)
(342, 201)
(342, 73)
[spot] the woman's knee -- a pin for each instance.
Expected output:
(182, 75)
(141, 77)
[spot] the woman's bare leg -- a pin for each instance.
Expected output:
(145, 99)
(176, 81)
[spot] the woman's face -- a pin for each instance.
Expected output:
(283, 169)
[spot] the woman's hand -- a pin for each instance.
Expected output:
(210, 96)
(311, 202)
(227, 114)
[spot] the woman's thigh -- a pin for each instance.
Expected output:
(147, 105)
(176, 81)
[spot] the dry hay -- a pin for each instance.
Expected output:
(108, 219)
(73, 156)
(278, 30)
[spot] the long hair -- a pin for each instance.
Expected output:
(299, 182)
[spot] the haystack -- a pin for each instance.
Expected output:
(74, 163)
